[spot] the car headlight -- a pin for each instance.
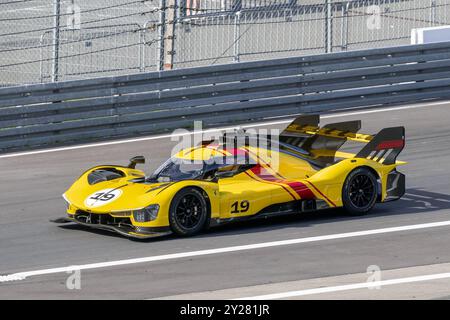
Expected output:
(149, 213)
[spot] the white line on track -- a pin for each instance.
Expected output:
(26, 274)
(362, 285)
(167, 136)
(418, 196)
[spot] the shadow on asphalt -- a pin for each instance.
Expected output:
(414, 201)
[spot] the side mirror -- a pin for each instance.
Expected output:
(232, 171)
(136, 160)
(224, 174)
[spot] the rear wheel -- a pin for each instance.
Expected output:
(359, 194)
(188, 212)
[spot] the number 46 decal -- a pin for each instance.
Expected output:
(240, 207)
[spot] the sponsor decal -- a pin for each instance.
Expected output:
(102, 197)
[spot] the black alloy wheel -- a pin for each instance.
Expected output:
(360, 192)
(188, 212)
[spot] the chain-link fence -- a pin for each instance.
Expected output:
(287, 28)
(94, 38)
(385, 23)
(56, 40)
(249, 35)
(97, 51)
(199, 7)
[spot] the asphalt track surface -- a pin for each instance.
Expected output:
(30, 194)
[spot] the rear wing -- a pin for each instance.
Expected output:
(306, 134)
(385, 146)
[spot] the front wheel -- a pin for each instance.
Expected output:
(359, 194)
(188, 212)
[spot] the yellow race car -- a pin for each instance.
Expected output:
(237, 178)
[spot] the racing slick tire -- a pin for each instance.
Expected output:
(188, 212)
(359, 193)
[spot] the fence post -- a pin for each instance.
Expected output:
(142, 49)
(344, 30)
(161, 32)
(432, 12)
(237, 34)
(41, 60)
(56, 26)
(169, 34)
(328, 26)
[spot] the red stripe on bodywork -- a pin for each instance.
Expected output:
(216, 148)
(262, 161)
(320, 192)
(261, 172)
(236, 151)
(271, 182)
(302, 190)
(391, 144)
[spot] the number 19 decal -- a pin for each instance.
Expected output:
(240, 207)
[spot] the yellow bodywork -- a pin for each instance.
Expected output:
(305, 171)
(289, 180)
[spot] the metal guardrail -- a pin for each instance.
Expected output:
(82, 110)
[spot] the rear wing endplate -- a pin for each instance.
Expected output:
(387, 145)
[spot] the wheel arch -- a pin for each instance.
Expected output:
(205, 194)
(365, 166)
(206, 197)
(351, 207)
(376, 174)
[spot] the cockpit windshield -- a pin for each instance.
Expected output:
(176, 169)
